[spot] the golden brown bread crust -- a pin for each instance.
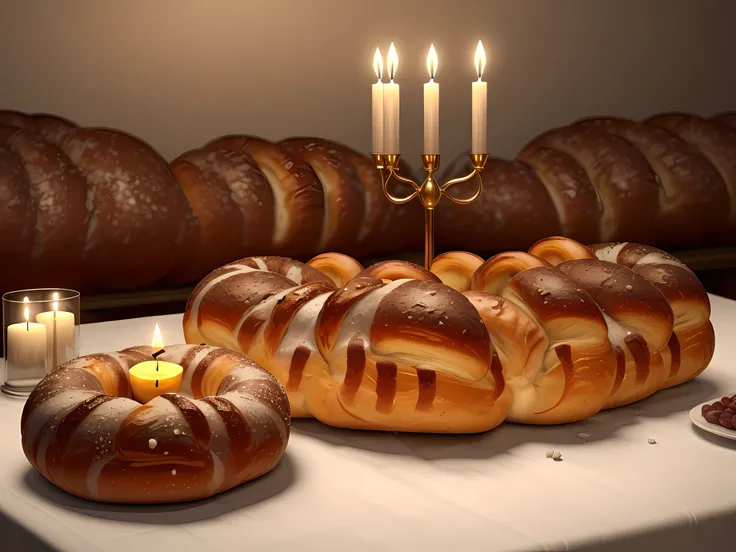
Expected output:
(391, 348)
(512, 197)
(337, 266)
(544, 338)
(692, 193)
(669, 181)
(717, 142)
(393, 270)
(345, 201)
(98, 205)
(228, 424)
(455, 268)
(300, 205)
(692, 341)
(620, 174)
(656, 311)
(573, 195)
(233, 207)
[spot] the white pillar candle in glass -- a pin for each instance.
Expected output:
(432, 106)
(377, 96)
(60, 335)
(391, 105)
(480, 105)
(26, 354)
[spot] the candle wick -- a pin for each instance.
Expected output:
(28, 326)
(156, 383)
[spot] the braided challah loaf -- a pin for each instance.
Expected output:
(669, 181)
(390, 348)
(228, 423)
(98, 208)
(549, 336)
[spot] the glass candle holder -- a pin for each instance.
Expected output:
(40, 332)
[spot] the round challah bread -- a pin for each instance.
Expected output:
(669, 180)
(549, 336)
(228, 423)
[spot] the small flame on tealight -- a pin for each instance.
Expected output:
(432, 62)
(378, 64)
(27, 313)
(157, 342)
(392, 61)
(480, 59)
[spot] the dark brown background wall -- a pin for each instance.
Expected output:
(181, 72)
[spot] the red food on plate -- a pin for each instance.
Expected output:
(721, 412)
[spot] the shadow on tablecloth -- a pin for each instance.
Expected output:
(16, 538)
(501, 440)
(248, 494)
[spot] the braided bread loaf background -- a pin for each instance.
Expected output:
(100, 209)
(228, 423)
(544, 337)
(669, 181)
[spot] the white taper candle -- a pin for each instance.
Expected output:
(480, 105)
(391, 105)
(432, 106)
(377, 95)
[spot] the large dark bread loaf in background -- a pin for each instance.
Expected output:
(98, 209)
(668, 181)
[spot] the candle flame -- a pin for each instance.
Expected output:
(55, 296)
(157, 342)
(432, 62)
(480, 59)
(27, 313)
(378, 64)
(26, 300)
(56, 306)
(392, 61)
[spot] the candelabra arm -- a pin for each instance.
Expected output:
(386, 177)
(388, 165)
(479, 163)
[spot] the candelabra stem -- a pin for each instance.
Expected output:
(430, 191)
(428, 238)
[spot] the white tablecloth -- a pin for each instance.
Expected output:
(339, 490)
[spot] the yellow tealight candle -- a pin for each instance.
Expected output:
(152, 378)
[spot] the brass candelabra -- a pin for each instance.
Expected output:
(430, 192)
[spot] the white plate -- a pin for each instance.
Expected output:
(697, 418)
